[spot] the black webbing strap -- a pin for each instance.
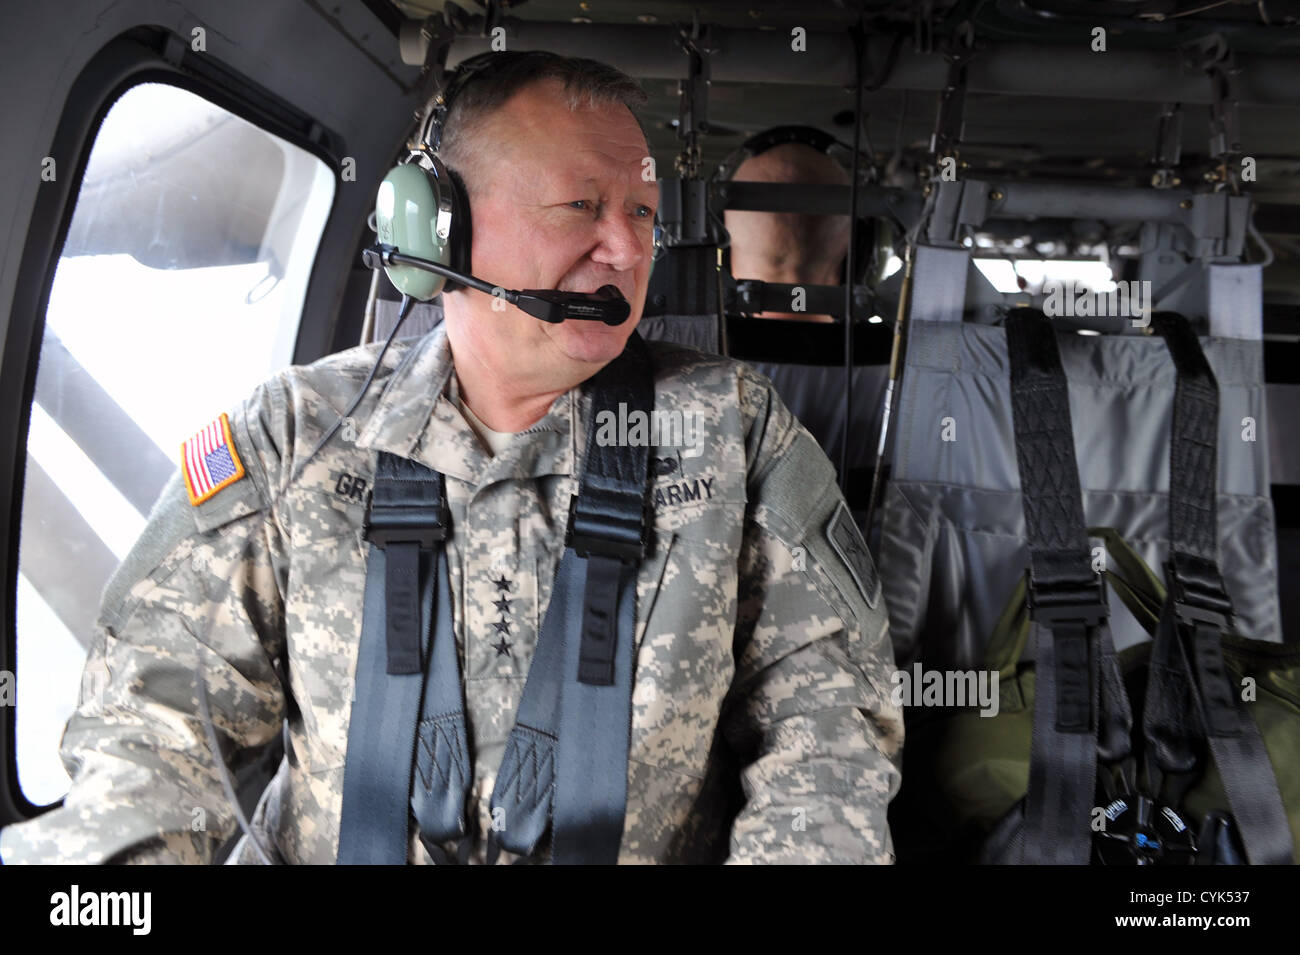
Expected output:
(407, 515)
(402, 596)
(406, 522)
(1193, 449)
(567, 755)
(1191, 697)
(607, 517)
(1066, 602)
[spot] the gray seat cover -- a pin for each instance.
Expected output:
(952, 525)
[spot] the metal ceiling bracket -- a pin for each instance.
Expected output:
(693, 91)
(950, 119)
(1212, 55)
(1169, 146)
(435, 36)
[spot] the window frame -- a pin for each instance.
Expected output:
(143, 55)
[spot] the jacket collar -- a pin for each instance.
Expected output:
(417, 418)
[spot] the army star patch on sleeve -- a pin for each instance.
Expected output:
(209, 461)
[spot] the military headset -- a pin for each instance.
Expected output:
(423, 220)
(864, 237)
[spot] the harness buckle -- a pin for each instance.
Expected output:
(1197, 593)
(1068, 602)
(418, 524)
(609, 532)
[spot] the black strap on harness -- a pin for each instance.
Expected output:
(1191, 701)
(565, 762)
(1076, 667)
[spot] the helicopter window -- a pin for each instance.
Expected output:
(183, 274)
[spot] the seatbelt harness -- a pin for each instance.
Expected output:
(1191, 701)
(406, 526)
(592, 615)
(565, 764)
(1075, 659)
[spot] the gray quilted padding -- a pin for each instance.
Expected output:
(952, 545)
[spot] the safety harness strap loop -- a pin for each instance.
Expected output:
(1063, 748)
(596, 653)
(1191, 692)
(1067, 604)
(402, 596)
(407, 518)
(595, 732)
(406, 515)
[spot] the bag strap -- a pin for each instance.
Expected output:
(1191, 700)
(1136, 584)
(1075, 660)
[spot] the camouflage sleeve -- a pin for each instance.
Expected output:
(810, 715)
(202, 581)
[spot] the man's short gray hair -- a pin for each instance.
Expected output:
(587, 84)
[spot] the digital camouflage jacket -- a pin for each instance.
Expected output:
(762, 728)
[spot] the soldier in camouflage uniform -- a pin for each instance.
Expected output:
(762, 727)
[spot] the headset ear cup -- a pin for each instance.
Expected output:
(460, 237)
(462, 226)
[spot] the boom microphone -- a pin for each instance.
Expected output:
(606, 304)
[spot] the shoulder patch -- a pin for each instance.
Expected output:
(844, 536)
(209, 461)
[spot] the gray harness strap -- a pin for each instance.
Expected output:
(406, 526)
(565, 765)
(564, 743)
(1066, 602)
(585, 651)
(1192, 701)
(442, 760)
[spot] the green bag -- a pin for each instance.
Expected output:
(966, 775)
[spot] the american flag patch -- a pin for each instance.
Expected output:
(209, 461)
